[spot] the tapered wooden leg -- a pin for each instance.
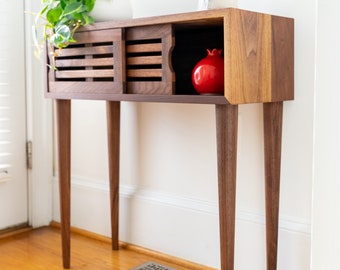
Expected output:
(63, 117)
(272, 120)
(113, 128)
(226, 127)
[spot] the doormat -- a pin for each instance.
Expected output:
(152, 266)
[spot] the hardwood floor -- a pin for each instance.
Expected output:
(41, 250)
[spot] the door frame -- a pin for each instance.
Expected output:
(39, 131)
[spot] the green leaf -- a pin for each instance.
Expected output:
(88, 19)
(79, 17)
(53, 15)
(73, 8)
(63, 3)
(64, 21)
(60, 19)
(89, 4)
(72, 40)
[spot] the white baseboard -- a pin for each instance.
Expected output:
(183, 227)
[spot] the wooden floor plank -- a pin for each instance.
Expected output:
(41, 249)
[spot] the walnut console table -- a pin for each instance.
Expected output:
(150, 60)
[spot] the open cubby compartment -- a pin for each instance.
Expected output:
(160, 58)
(93, 66)
(148, 59)
(192, 41)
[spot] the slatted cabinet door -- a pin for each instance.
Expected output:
(90, 68)
(148, 54)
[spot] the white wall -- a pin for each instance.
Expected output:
(326, 200)
(168, 165)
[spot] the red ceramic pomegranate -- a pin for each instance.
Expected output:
(208, 74)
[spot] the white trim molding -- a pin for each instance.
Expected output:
(159, 221)
(39, 131)
(290, 224)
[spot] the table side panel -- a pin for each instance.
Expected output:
(258, 57)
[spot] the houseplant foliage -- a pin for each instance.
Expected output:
(58, 20)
